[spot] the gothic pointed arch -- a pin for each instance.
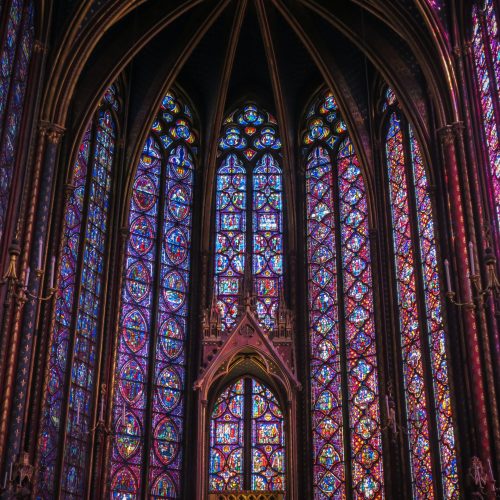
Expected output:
(149, 390)
(247, 411)
(249, 215)
(247, 353)
(247, 329)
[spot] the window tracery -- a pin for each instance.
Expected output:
(247, 439)
(249, 187)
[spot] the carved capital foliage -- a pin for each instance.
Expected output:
(447, 135)
(52, 131)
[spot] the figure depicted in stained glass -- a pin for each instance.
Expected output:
(342, 332)
(247, 412)
(154, 315)
(249, 156)
(414, 215)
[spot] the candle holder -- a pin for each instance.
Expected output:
(476, 292)
(18, 290)
(452, 298)
(15, 287)
(40, 298)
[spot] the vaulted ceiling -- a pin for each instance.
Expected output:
(220, 52)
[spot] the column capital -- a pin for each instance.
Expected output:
(447, 135)
(53, 131)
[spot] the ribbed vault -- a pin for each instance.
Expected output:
(221, 52)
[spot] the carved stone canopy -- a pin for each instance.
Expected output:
(248, 349)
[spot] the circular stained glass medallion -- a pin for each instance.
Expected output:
(134, 330)
(169, 386)
(131, 381)
(138, 281)
(141, 235)
(124, 485)
(171, 338)
(179, 202)
(166, 442)
(144, 193)
(128, 432)
(176, 245)
(174, 292)
(164, 487)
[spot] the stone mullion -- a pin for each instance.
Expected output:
(302, 337)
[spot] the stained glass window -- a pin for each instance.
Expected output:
(247, 439)
(486, 51)
(148, 410)
(344, 381)
(15, 56)
(73, 350)
(412, 215)
(230, 240)
(249, 152)
(227, 440)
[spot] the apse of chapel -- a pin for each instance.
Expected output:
(296, 60)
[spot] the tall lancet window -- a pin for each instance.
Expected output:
(74, 344)
(17, 44)
(148, 407)
(249, 219)
(419, 309)
(486, 51)
(346, 424)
